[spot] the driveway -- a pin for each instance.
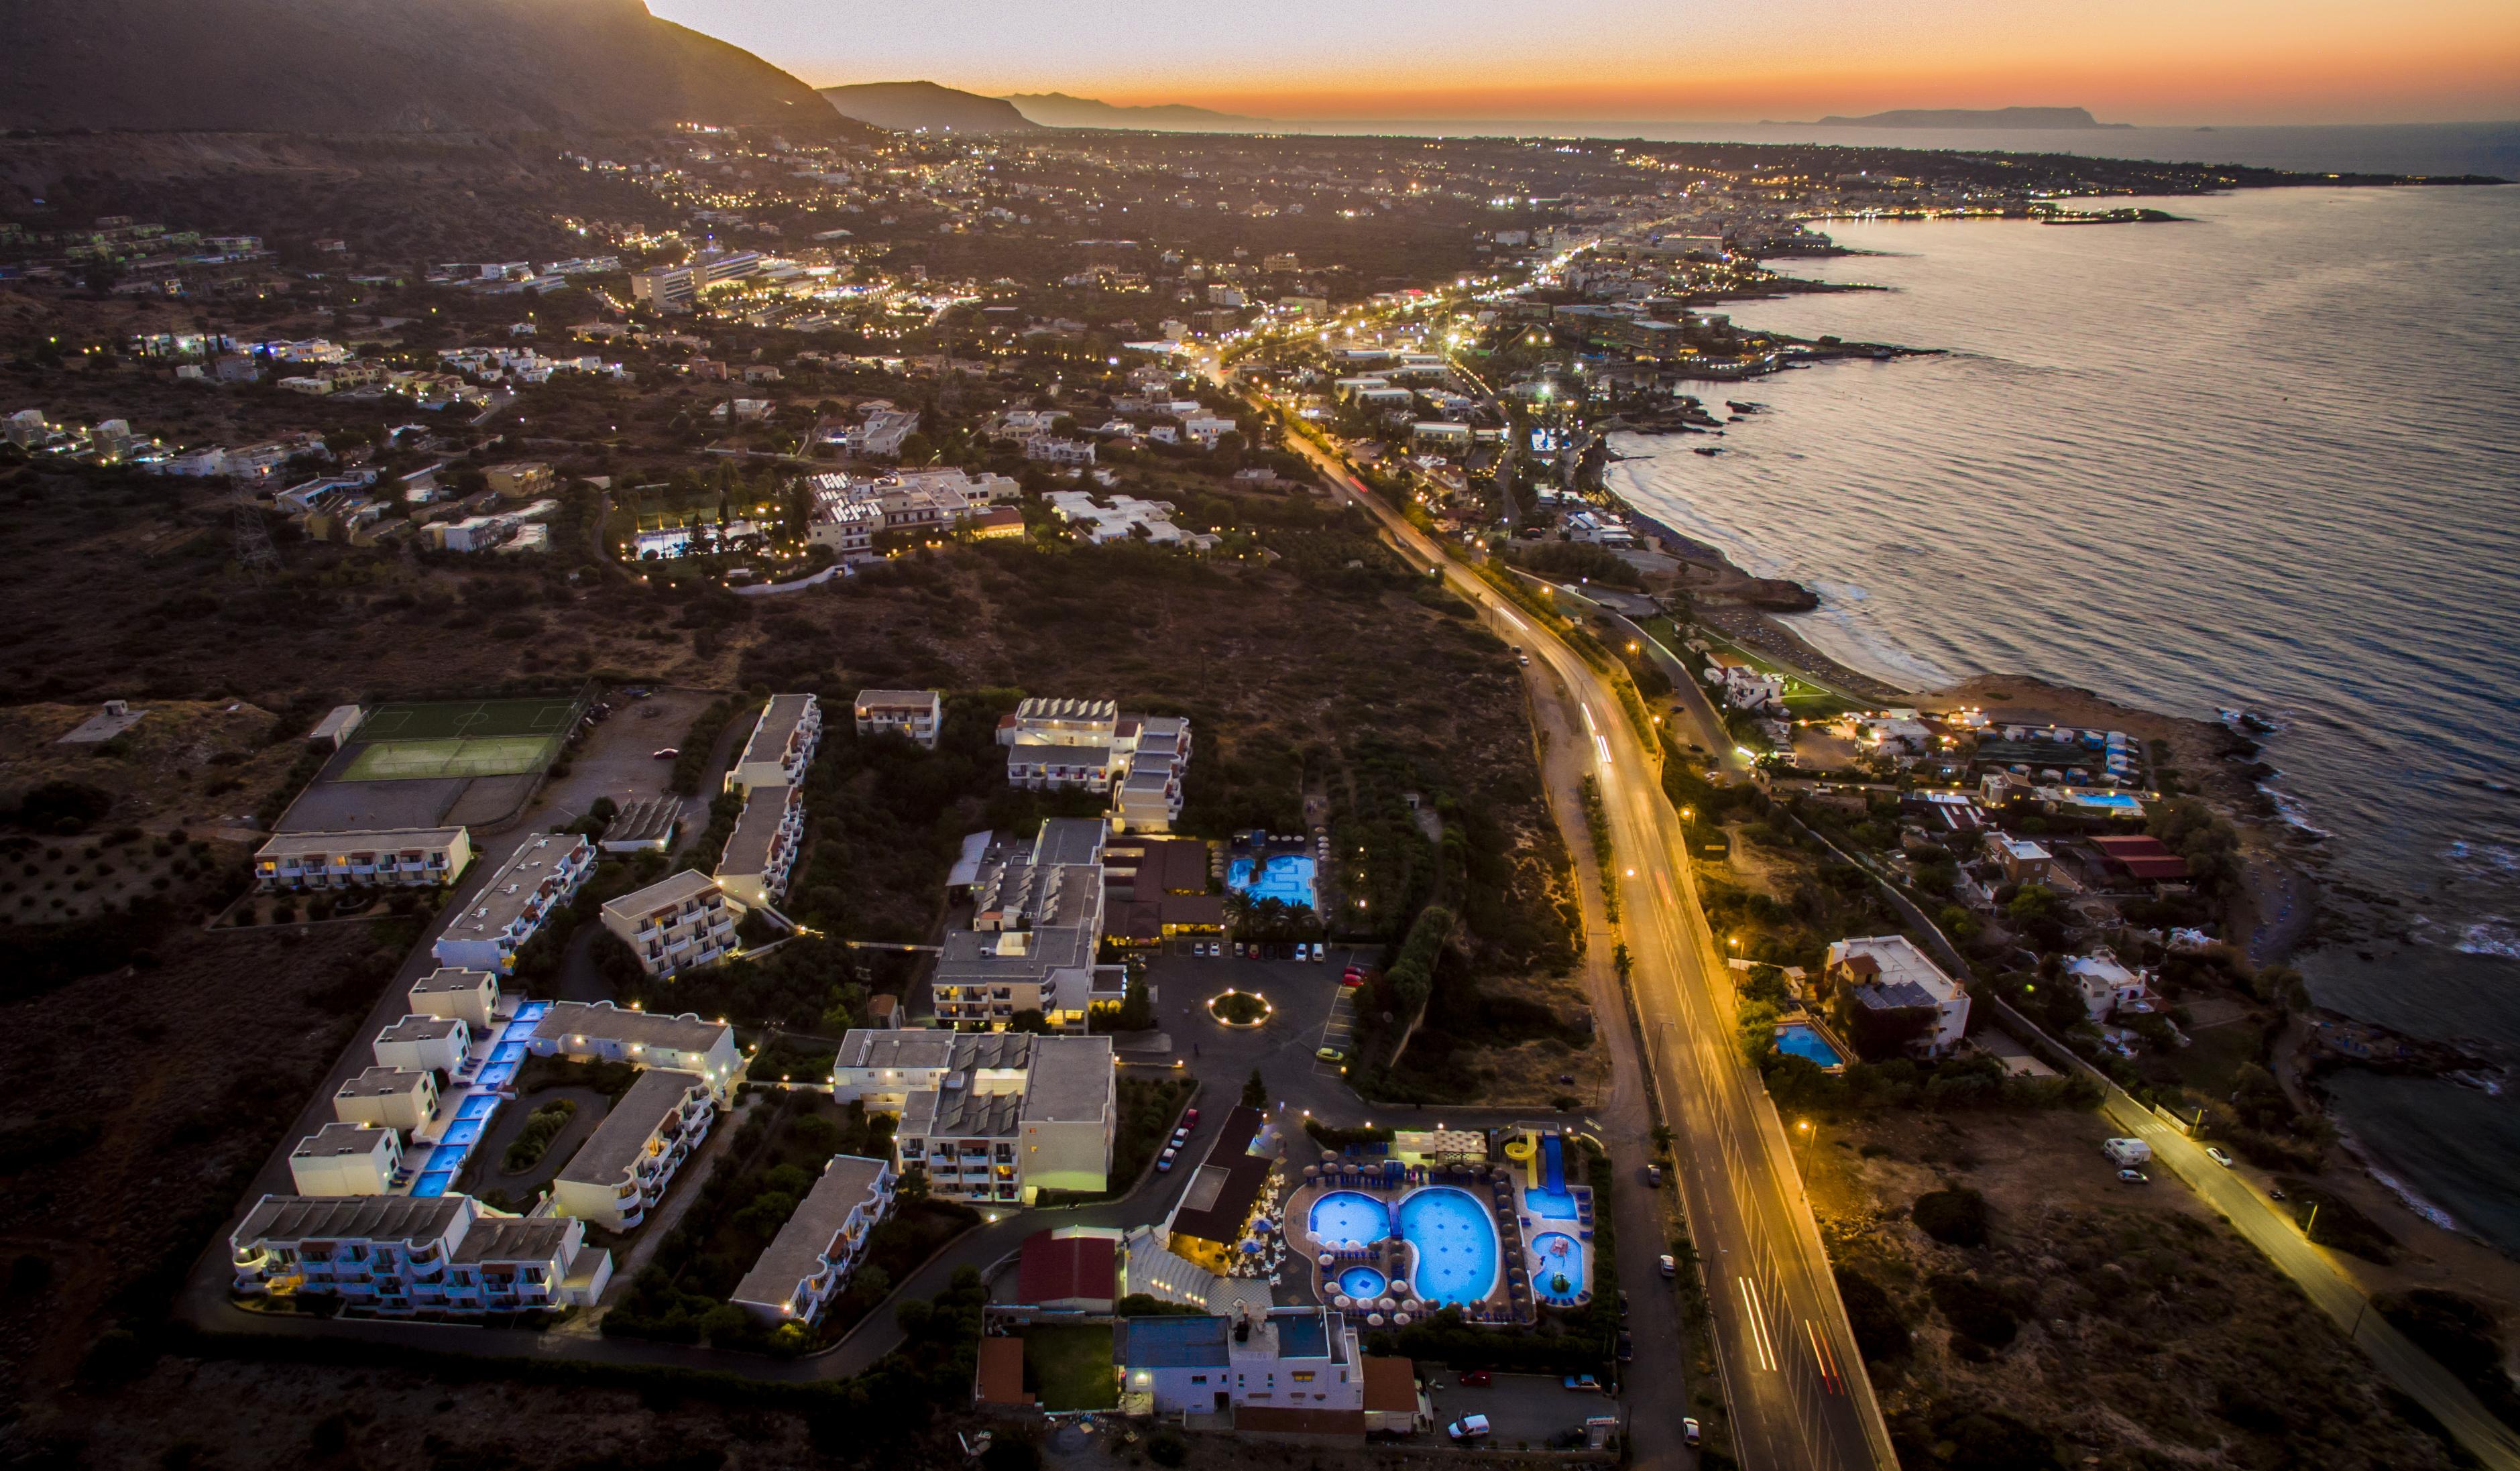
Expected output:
(1522, 1409)
(618, 757)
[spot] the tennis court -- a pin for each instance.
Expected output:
(470, 720)
(486, 756)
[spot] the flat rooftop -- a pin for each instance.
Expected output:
(448, 980)
(414, 840)
(351, 1217)
(1071, 1079)
(381, 1082)
(756, 832)
(779, 722)
(622, 1137)
(650, 1031)
(516, 887)
(671, 892)
(798, 1251)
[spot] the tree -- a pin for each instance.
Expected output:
(1137, 1008)
(1255, 1093)
(1029, 1019)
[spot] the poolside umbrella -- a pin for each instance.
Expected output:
(1386, 1304)
(1399, 1287)
(1345, 1301)
(1400, 1319)
(1375, 1318)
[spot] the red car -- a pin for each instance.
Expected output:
(1475, 1379)
(1353, 977)
(1190, 1118)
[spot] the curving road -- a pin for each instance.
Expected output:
(1797, 1390)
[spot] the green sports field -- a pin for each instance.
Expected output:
(469, 720)
(486, 756)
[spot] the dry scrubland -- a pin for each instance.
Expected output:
(2130, 1322)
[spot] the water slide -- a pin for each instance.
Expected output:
(1554, 1149)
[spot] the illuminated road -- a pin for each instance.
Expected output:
(1796, 1387)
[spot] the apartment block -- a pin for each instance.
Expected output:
(602, 1032)
(466, 996)
(543, 875)
(781, 744)
(402, 1254)
(403, 857)
(678, 924)
(995, 1117)
(621, 1171)
(815, 1253)
(345, 1159)
(917, 714)
(1035, 932)
(420, 1044)
(1061, 745)
(387, 1098)
(1289, 1358)
(762, 849)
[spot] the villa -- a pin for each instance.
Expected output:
(1886, 988)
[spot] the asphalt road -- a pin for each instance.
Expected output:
(1796, 1387)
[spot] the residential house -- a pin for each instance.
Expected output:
(913, 713)
(542, 877)
(681, 922)
(424, 1043)
(470, 997)
(2022, 861)
(387, 1098)
(815, 1253)
(762, 849)
(622, 1170)
(1072, 1269)
(884, 431)
(602, 1032)
(398, 857)
(1888, 990)
(346, 1159)
(402, 1254)
(1288, 1360)
(2108, 985)
(783, 744)
(996, 1117)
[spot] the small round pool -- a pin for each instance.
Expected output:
(1361, 1282)
(1557, 1255)
(1344, 1215)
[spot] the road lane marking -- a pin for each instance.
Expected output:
(1599, 745)
(1758, 1326)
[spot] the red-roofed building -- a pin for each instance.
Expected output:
(1075, 1267)
(1000, 1378)
(2146, 860)
(1390, 1395)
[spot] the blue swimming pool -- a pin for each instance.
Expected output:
(496, 1074)
(1287, 878)
(1361, 1282)
(1556, 1256)
(1344, 1215)
(462, 1133)
(434, 1184)
(1802, 1041)
(1456, 1244)
(478, 1106)
(508, 1051)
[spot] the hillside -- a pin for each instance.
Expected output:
(1057, 110)
(1974, 117)
(380, 65)
(904, 106)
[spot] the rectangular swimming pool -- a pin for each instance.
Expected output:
(1286, 878)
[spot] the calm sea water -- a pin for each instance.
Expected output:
(2268, 459)
(2414, 147)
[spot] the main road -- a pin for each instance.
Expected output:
(1799, 1397)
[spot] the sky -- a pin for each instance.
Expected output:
(2164, 61)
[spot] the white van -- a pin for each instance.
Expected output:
(1467, 1427)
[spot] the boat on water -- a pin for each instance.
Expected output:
(1738, 407)
(1710, 449)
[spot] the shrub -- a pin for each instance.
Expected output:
(1975, 1311)
(1880, 1330)
(1954, 1217)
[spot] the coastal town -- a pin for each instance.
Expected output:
(975, 791)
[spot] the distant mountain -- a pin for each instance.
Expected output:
(380, 65)
(904, 106)
(1974, 117)
(1057, 110)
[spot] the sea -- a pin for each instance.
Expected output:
(2266, 457)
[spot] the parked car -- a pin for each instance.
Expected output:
(1582, 1384)
(1164, 1161)
(1689, 1430)
(1670, 1266)
(1468, 1428)
(1623, 1302)
(1190, 1118)
(2215, 1153)
(668, 753)
(2135, 1176)
(1180, 1136)
(1477, 1379)
(1627, 1348)
(1354, 977)
(1654, 1174)
(1330, 1055)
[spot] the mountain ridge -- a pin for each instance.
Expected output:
(1059, 110)
(907, 106)
(1968, 118)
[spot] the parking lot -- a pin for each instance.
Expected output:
(1522, 1409)
(1306, 1013)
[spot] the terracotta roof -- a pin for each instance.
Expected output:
(1000, 1380)
(1391, 1386)
(1060, 1269)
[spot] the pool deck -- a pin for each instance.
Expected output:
(1510, 1301)
(439, 1152)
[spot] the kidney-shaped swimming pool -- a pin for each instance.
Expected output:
(1455, 1239)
